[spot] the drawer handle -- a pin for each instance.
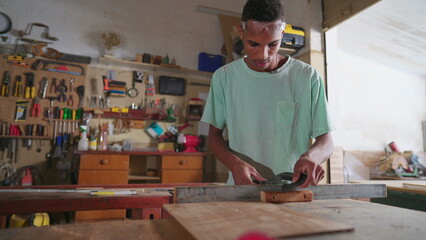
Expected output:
(104, 161)
(181, 162)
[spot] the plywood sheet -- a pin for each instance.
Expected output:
(230, 220)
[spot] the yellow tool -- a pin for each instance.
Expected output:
(5, 86)
(30, 89)
(18, 86)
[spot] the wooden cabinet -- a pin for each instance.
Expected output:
(108, 167)
(181, 169)
(102, 169)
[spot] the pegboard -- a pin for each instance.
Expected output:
(48, 72)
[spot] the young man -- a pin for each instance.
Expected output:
(270, 104)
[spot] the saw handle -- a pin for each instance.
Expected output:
(289, 176)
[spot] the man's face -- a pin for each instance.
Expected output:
(261, 43)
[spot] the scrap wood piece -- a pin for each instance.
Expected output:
(230, 220)
(188, 194)
(283, 197)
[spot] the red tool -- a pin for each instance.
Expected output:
(35, 111)
(14, 130)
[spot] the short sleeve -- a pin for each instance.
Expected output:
(321, 120)
(214, 110)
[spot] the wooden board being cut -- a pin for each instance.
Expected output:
(230, 220)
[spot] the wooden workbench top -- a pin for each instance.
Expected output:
(369, 220)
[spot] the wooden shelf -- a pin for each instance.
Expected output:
(158, 114)
(137, 177)
(154, 67)
(27, 137)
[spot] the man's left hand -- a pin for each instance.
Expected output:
(314, 171)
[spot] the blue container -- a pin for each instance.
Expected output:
(209, 62)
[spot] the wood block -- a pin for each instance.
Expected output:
(282, 197)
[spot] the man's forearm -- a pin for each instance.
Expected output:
(221, 150)
(322, 149)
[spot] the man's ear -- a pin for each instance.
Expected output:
(240, 31)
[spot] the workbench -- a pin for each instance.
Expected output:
(369, 220)
(146, 205)
(409, 194)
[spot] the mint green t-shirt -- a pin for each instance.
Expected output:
(270, 116)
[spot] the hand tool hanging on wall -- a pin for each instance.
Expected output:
(62, 89)
(45, 63)
(46, 31)
(80, 93)
(70, 102)
(133, 92)
(18, 86)
(53, 86)
(5, 87)
(51, 99)
(43, 87)
(30, 89)
(72, 80)
(35, 110)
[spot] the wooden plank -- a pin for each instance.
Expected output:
(251, 192)
(337, 166)
(231, 220)
(283, 197)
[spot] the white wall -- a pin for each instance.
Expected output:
(157, 27)
(373, 104)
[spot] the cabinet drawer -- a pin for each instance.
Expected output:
(100, 214)
(182, 162)
(103, 177)
(181, 176)
(96, 161)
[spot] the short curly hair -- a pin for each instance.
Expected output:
(263, 11)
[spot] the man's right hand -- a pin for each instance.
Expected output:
(243, 174)
(241, 171)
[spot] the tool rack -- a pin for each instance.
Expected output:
(8, 102)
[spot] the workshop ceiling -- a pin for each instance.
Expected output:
(392, 32)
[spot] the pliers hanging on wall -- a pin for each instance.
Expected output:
(62, 89)
(70, 101)
(36, 111)
(18, 86)
(5, 86)
(30, 89)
